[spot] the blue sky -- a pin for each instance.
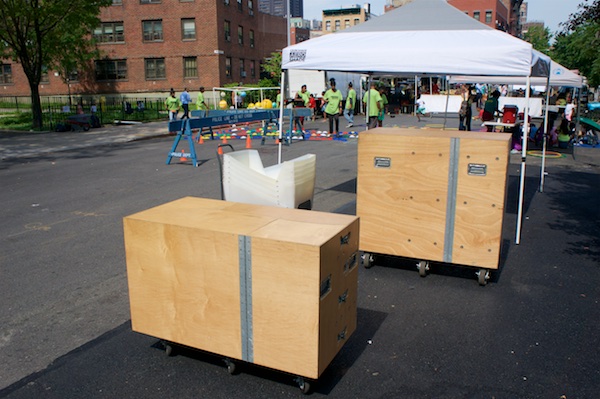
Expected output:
(552, 12)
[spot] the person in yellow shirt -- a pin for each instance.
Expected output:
(200, 102)
(374, 103)
(172, 105)
(333, 98)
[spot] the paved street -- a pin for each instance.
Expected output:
(532, 332)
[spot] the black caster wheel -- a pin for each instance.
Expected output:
(303, 385)
(483, 275)
(169, 349)
(423, 267)
(231, 367)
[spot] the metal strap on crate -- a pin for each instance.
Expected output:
(451, 201)
(245, 256)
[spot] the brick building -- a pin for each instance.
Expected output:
(149, 46)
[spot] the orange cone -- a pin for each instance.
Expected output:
(248, 141)
(201, 139)
(220, 150)
(224, 139)
(183, 158)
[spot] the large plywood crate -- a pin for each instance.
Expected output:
(433, 195)
(271, 286)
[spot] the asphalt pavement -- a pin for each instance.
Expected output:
(532, 332)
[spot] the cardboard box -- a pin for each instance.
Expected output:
(271, 286)
(433, 195)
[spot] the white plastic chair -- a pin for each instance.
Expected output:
(288, 184)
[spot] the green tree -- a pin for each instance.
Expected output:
(539, 37)
(577, 46)
(272, 67)
(48, 34)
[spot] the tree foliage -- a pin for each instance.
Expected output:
(577, 46)
(272, 67)
(539, 37)
(48, 34)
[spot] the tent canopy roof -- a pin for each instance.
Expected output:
(409, 17)
(422, 37)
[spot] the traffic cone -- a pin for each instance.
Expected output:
(183, 158)
(248, 141)
(201, 139)
(224, 139)
(220, 150)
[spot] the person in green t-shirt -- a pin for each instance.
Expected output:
(374, 103)
(172, 105)
(350, 103)
(304, 95)
(333, 108)
(200, 103)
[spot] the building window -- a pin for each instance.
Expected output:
(153, 31)
(337, 24)
(190, 67)
(240, 35)
(346, 23)
(45, 78)
(227, 31)
(188, 28)
(117, 2)
(226, 2)
(111, 70)
(242, 68)
(155, 68)
(477, 15)
(253, 68)
(228, 67)
(251, 38)
(250, 7)
(240, 6)
(110, 32)
(73, 76)
(356, 21)
(488, 17)
(328, 25)
(6, 74)
(150, 1)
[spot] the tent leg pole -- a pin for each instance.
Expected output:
(543, 167)
(447, 100)
(281, 107)
(523, 161)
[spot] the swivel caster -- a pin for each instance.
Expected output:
(483, 275)
(423, 267)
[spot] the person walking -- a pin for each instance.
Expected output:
(350, 104)
(172, 105)
(333, 98)
(200, 102)
(374, 104)
(185, 99)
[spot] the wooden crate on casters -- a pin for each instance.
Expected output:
(433, 195)
(271, 286)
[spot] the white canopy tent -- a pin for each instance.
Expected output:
(422, 37)
(558, 76)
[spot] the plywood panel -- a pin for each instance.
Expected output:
(285, 303)
(177, 293)
(338, 307)
(480, 203)
(402, 208)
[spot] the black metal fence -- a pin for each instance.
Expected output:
(56, 110)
